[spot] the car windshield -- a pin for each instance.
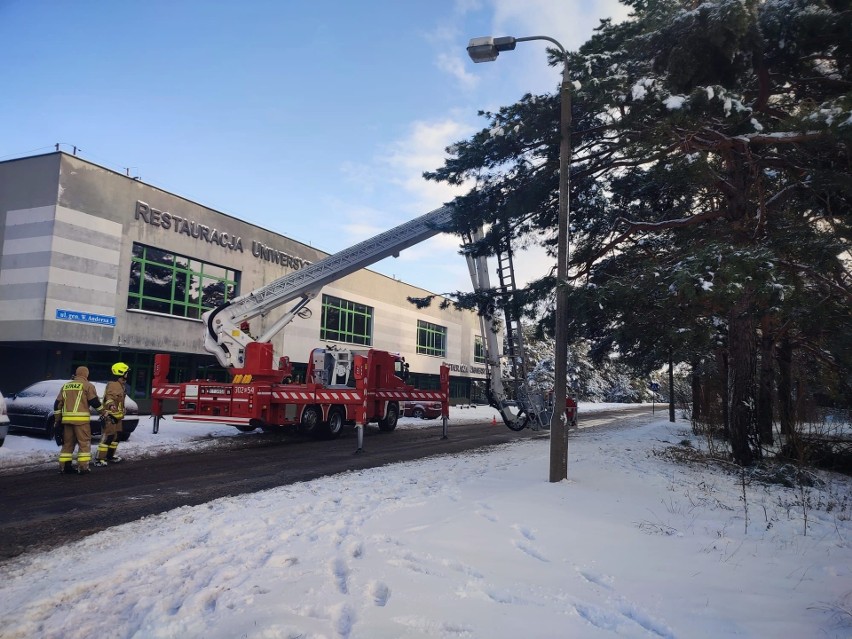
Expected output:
(50, 388)
(41, 389)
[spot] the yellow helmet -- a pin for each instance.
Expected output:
(120, 369)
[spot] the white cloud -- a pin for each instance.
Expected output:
(457, 66)
(445, 39)
(360, 228)
(570, 23)
(423, 149)
(393, 180)
(402, 163)
(359, 173)
(399, 192)
(466, 6)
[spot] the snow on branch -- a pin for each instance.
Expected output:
(781, 137)
(633, 226)
(715, 140)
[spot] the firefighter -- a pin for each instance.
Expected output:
(113, 413)
(71, 413)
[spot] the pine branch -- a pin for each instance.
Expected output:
(710, 214)
(838, 287)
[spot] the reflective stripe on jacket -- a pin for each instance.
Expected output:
(114, 399)
(75, 404)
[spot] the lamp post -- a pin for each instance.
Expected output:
(486, 50)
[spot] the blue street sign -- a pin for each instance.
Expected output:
(85, 318)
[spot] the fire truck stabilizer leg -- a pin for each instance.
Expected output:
(156, 424)
(360, 429)
(444, 429)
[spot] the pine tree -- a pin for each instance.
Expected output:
(710, 192)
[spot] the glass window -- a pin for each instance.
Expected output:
(431, 339)
(163, 282)
(193, 291)
(215, 271)
(478, 350)
(460, 389)
(345, 321)
(212, 292)
(155, 306)
(135, 273)
(158, 255)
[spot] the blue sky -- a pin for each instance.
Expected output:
(313, 118)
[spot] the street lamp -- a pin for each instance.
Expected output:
(486, 50)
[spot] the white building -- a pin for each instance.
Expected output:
(97, 267)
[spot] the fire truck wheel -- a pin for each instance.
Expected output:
(334, 425)
(311, 418)
(389, 422)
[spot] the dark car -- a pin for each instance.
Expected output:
(421, 410)
(31, 410)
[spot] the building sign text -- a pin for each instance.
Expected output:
(190, 228)
(279, 257)
(185, 226)
(464, 368)
(86, 318)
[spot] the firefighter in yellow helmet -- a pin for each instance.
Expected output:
(71, 413)
(114, 395)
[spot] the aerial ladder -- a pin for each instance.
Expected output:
(224, 338)
(514, 329)
(530, 409)
(341, 385)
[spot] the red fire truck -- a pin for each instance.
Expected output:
(341, 385)
(368, 388)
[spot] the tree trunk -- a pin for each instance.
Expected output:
(741, 340)
(671, 388)
(765, 382)
(696, 390)
(724, 390)
(785, 387)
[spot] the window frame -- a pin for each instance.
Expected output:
(195, 274)
(478, 349)
(435, 342)
(354, 321)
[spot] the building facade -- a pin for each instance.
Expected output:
(98, 267)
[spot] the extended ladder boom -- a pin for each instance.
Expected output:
(528, 410)
(223, 337)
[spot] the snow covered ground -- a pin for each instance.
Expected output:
(21, 452)
(633, 544)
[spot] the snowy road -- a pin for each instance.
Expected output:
(43, 509)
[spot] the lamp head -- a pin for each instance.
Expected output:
(487, 48)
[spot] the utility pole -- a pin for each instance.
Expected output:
(487, 49)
